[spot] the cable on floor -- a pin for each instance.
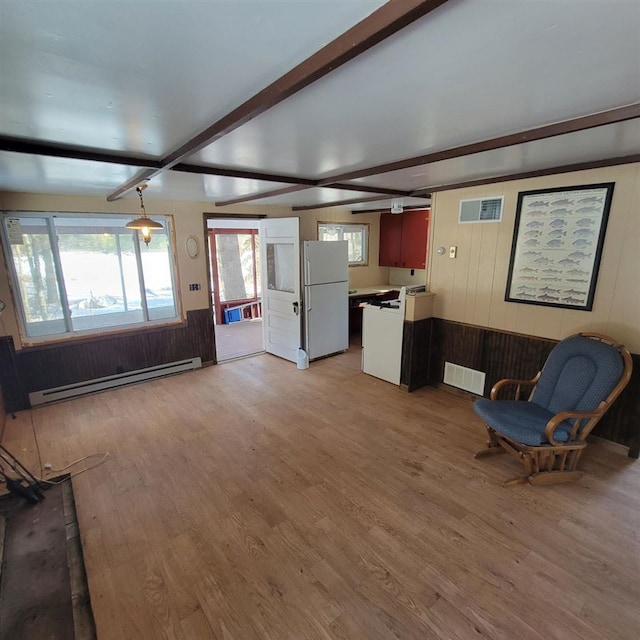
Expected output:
(104, 454)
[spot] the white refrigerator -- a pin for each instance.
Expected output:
(326, 297)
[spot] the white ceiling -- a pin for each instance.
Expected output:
(141, 78)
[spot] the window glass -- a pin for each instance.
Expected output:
(107, 277)
(33, 264)
(158, 279)
(95, 276)
(356, 236)
(280, 266)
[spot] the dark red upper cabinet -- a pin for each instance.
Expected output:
(403, 239)
(390, 240)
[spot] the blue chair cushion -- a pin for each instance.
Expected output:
(578, 375)
(523, 422)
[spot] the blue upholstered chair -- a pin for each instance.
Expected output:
(582, 376)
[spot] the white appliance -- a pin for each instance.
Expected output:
(326, 297)
(382, 333)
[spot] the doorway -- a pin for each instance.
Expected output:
(234, 251)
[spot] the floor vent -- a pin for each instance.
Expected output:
(463, 378)
(110, 382)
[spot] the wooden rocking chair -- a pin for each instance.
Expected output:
(581, 378)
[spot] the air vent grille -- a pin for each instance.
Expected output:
(481, 210)
(464, 378)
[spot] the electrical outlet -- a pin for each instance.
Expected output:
(453, 251)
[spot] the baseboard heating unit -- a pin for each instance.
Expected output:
(110, 382)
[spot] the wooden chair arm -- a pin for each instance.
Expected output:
(509, 381)
(579, 417)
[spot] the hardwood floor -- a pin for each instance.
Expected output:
(254, 500)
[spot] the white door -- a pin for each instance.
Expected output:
(280, 268)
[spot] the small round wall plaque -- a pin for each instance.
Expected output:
(191, 245)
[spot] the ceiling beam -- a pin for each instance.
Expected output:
(242, 173)
(613, 116)
(566, 168)
(414, 207)
(381, 191)
(265, 194)
(337, 203)
(22, 145)
(381, 24)
(345, 186)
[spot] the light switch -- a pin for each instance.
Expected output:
(453, 252)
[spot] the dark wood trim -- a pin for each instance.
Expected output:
(14, 396)
(241, 173)
(416, 347)
(381, 24)
(337, 203)
(57, 364)
(22, 145)
(207, 254)
(260, 196)
(227, 216)
(613, 116)
(503, 354)
(345, 186)
(416, 207)
(567, 168)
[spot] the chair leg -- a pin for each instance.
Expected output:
(493, 447)
(515, 481)
(528, 463)
(489, 451)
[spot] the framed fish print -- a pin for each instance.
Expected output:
(557, 245)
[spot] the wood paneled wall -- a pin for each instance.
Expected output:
(471, 288)
(46, 366)
(500, 355)
(3, 414)
(416, 342)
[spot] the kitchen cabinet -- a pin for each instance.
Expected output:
(403, 239)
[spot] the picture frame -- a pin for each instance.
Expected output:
(557, 245)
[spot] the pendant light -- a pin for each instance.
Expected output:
(144, 223)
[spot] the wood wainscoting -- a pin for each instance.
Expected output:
(428, 344)
(3, 414)
(52, 365)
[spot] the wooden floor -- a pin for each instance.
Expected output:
(254, 500)
(238, 339)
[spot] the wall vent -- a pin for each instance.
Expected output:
(481, 210)
(463, 378)
(109, 382)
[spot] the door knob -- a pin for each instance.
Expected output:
(296, 308)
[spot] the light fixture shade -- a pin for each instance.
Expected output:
(143, 222)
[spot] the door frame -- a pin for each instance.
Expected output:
(206, 216)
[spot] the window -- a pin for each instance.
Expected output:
(357, 235)
(86, 273)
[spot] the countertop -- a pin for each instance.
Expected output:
(372, 291)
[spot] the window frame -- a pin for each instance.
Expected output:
(70, 333)
(365, 226)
